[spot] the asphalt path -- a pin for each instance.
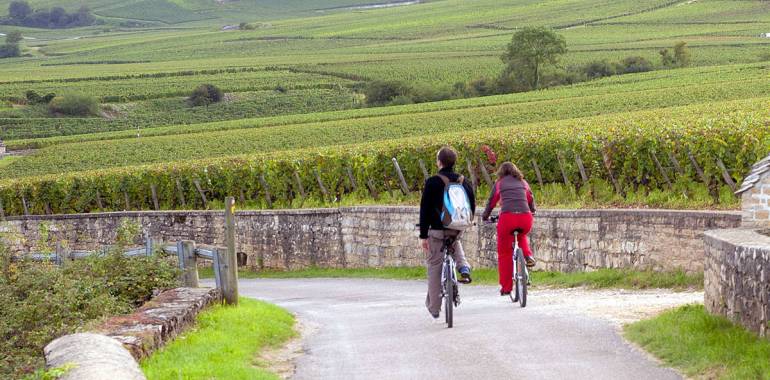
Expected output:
(380, 329)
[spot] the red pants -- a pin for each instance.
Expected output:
(505, 226)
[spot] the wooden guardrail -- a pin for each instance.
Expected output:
(224, 258)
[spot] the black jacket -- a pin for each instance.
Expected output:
(433, 201)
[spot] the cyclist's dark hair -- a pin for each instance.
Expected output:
(508, 168)
(447, 156)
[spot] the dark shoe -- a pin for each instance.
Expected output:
(530, 262)
(503, 294)
(465, 275)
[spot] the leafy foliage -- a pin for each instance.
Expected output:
(74, 105)
(206, 94)
(530, 50)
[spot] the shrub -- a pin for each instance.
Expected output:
(42, 302)
(383, 92)
(74, 105)
(10, 50)
(598, 69)
(682, 54)
(34, 98)
(206, 94)
(635, 64)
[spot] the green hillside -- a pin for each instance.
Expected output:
(296, 79)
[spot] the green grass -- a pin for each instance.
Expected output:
(225, 344)
(599, 279)
(702, 345)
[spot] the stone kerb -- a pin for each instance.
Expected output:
(737, 277)
(117, 344)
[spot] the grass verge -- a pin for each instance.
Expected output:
(224, 344)
(702, 345)
(603, 278)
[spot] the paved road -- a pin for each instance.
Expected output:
(379, 329)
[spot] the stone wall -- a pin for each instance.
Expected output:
(737, 277)
(564, 240)
(756, 203)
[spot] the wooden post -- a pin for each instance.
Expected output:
(154, 190)
(661, 169)
(197, 184)
(299, 185)
(726, 174)
(423, 169)
(402, 181)
(608, 165)
(697, 168)
(230, 278)
(472, 175)
(180, 189)
(561, 167)
(675, 163)
(537, 172)
(582, 168)
(24, 204)
(185, 249)
(321, 184)
(242, 195)
(99, 200)
(47, 207)
(268, 198)
(125, 198)
(485, 174)
(352, 179)
(372, 189)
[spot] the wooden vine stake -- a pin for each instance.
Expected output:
(561, 167)
(675, 163)
(485, 174)
(537, 172)
(697, 168)
(352, 179)
(321, 184)
(401, 180)
(726, 174)
(99, 200)
(608, 165)
(582, 168)
(268, 198)
(154, 190)
(47, 207)
(180, 189)
(24, 205)
(472, 175)
(423, 169)
(662, 170)
(2, 210)
(372, 189)
(242, 195)
(125, 198)
(198, 187)
(299, 185)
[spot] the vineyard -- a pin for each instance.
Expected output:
(294, 129)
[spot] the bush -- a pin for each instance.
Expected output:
(635, 64)
(74, 105)
(10, 50)
(34, 98)
(42, 302)
(206, 94)
(598, 69)
(383, 92)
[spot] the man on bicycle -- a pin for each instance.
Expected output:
(432, 231)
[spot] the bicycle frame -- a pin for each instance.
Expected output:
(450, 262)
(516, 252)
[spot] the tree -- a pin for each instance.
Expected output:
(682, 54)
(206, 94)
(530, 50)
(635, 64)
(13, 38)
(666, 59)
(74, 105)
(382, 92)
(10, 50)
(19, 10)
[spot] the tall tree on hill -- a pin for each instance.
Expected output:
(530, 50)
(19, 10)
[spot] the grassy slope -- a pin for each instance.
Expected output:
(224, 344)
(702, 345)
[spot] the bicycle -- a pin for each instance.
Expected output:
(450, 294)
(521, 277)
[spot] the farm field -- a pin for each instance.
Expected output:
(294, 95)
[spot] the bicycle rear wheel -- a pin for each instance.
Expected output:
(521, 278)
(449, 296)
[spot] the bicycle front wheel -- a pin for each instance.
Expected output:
(521, 278)
(449, 296)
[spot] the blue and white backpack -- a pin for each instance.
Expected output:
(456, 213)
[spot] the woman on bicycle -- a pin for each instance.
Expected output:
(517, 206)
